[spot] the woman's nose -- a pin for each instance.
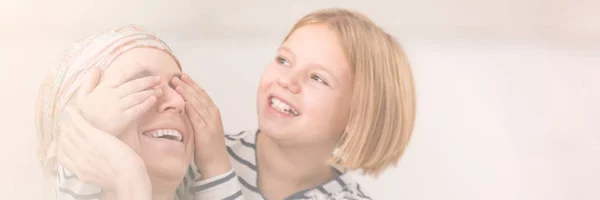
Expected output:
(170, 101)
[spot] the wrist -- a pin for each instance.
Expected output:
(210, 168)
(134, 186)
(131, 172)
(128, 163)
(213, 171)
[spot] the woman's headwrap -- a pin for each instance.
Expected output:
(63, 81)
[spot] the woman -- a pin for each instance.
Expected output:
(118, 81)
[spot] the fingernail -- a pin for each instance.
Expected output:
(184, 76)
(159, 91)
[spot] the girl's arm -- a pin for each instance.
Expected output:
(224, 186)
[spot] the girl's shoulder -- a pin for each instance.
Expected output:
(245, 138)
(342, 187)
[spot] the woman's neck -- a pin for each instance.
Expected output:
(291, 169)
(155, 196)
(158, 192)
(163, 187)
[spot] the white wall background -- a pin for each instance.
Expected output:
(508, 91)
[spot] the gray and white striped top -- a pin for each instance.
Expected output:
(242, 153)
(238, 184)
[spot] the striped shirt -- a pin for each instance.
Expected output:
(238, 184)
(242, 153)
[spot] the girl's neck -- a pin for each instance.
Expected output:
(291, 169)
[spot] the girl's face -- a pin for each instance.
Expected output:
(304, 93)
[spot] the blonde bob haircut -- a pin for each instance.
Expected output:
(382, 115)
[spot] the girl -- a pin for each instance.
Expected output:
(337, 97)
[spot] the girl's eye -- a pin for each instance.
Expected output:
(282, 61)
(319, 79)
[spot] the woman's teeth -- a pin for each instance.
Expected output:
(170, 134)
(283, 107)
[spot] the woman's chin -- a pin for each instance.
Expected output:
(166, 168)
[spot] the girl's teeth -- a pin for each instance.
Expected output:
(282, 107)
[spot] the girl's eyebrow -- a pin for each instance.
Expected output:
(286, 49)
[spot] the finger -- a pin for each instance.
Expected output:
(188, 82)
(67, 163)
(137, 85)
(129, 73)
(75, 146)
(94, 166)
(139, 109)
(200, 101)
(196, 99)
(67, 152)
(189, 120)
(90, 82)
(193, 114)
(188, 93)
(198, 124)
(199, 106)
(139, 97)
(79, 125)
(196, 120)
(71, 125)
(81, 155)
(70, 139)
(79, 165)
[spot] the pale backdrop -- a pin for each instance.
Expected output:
(508, 91)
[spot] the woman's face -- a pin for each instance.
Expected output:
(163, 157)
(304, 93)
